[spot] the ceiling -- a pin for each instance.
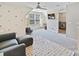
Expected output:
(47, 5)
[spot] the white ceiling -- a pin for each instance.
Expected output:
(47, 5)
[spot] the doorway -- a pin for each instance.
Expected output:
(62, 23)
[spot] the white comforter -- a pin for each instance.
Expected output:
(56, 37)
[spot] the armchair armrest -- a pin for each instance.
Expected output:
(27, 40)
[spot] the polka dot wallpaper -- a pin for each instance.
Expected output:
(13, 19)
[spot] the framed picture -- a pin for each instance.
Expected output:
(62, 25)
(51, 16)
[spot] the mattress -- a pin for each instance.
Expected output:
(45, 47)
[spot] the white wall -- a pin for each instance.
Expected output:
(53, 24)
(13, 18)
(73, 21)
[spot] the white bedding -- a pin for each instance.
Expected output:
(44, 47)
(56, 37)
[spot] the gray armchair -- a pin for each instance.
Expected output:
(10, 46)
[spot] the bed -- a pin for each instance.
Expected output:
(44, 46)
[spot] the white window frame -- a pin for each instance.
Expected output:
(34, 18)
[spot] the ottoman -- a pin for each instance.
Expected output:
(27, 40)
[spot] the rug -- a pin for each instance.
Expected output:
(44, 47)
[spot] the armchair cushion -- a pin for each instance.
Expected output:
(8, 43)
(16, 50)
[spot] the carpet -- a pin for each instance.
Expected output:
(44, 47)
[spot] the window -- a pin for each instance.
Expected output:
(31, 18)
(34, 19)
